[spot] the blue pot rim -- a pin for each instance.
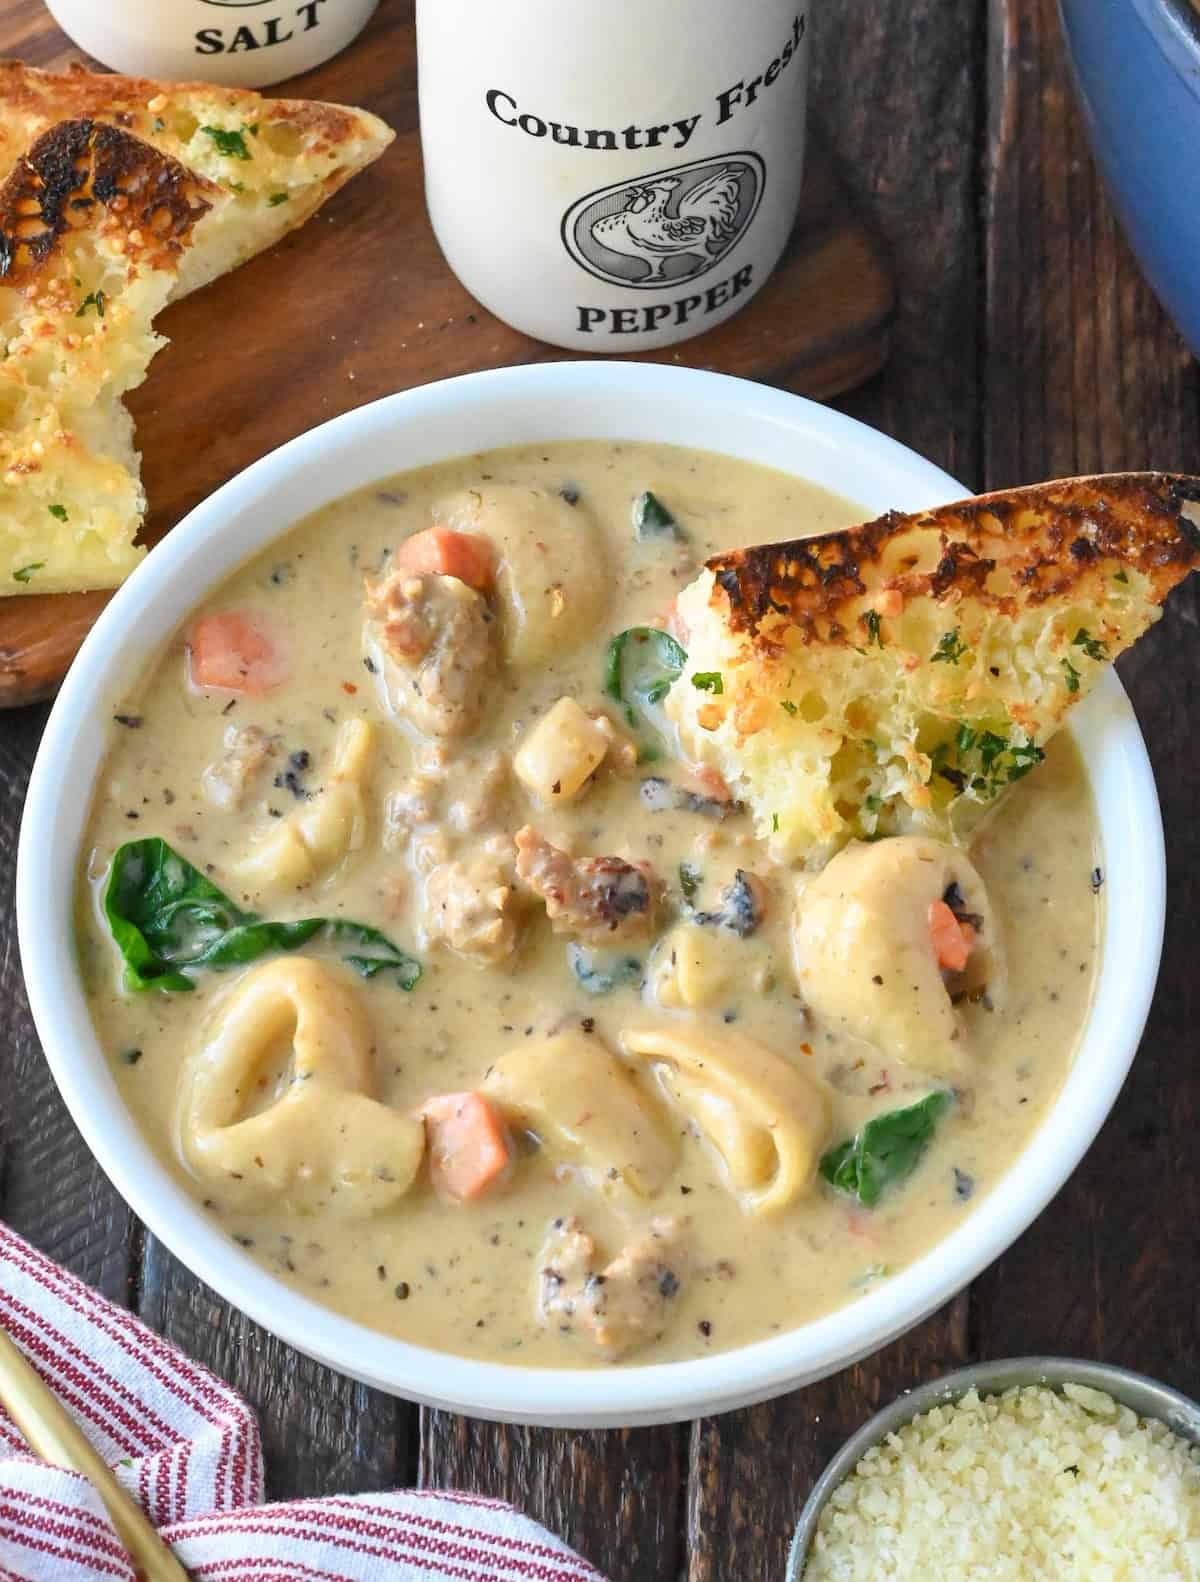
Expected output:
(1175, 27)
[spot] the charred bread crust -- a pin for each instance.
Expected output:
(898, 677)
(81, 169)
(143, 106)
(1043, 540)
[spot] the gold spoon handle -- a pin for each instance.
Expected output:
(53, 1435)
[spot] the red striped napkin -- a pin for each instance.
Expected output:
(187, 1447)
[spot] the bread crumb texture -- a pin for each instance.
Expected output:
(1034, 1483)
(898, 677)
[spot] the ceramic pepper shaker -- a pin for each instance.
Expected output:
(611, 175)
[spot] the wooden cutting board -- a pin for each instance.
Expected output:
(359, 303)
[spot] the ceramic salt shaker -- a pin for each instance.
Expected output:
(245, 43)
(613, 175)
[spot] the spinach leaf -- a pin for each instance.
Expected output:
(740, 909)
(168, 921)
(639, 667)
(886, 1150)
(597, 979)
(651, 519)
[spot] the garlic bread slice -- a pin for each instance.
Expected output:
(94, 226)
(278, 159)
(900, 675)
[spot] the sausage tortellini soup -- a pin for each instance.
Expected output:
(469, 1007)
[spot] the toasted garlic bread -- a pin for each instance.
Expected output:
(120, 195)
(898, 676)
(94, 225)
(279, 159)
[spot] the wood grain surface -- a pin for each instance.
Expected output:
(1026, 345)
(382, 312)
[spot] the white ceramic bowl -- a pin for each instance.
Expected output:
(553, 401)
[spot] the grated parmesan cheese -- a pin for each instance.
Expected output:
(1028, 1486)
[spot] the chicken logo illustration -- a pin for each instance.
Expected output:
(668, 227)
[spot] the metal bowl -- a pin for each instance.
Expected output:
(1144, 1396)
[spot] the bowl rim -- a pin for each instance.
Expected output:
(649, 402)
(1146, 1396)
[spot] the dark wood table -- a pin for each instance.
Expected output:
(1027, 346)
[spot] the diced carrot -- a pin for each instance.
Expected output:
(468, 1145)
(233, 651)
(952, 939)
(712, 783)
(445, 553)
(861, 1222)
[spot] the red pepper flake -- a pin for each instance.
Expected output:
(883, 1085)
(348, 686)
(806, 1049)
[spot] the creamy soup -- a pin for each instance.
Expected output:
(603, 1123)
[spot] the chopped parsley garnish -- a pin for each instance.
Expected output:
(949, 649)
(690, 879)
(58, 511)
(1023, 760)
(872, 803)
(235, 186)
(871, 621)
(774, 823)
(1121, 576)
(1070, 675)
(788, 706)
(24, 573)
(231, 144)
(94, 299)
(1093, 647)
(276, 199)
(986, 761)
(708, 681)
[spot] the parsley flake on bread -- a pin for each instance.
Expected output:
(900, 675)
(118, 196)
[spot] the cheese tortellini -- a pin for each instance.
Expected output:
(552, 584)
(766, 1119)
(583, 1103)
(865, 959)
(317, 835)
(316, 1137)
(693, 966)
